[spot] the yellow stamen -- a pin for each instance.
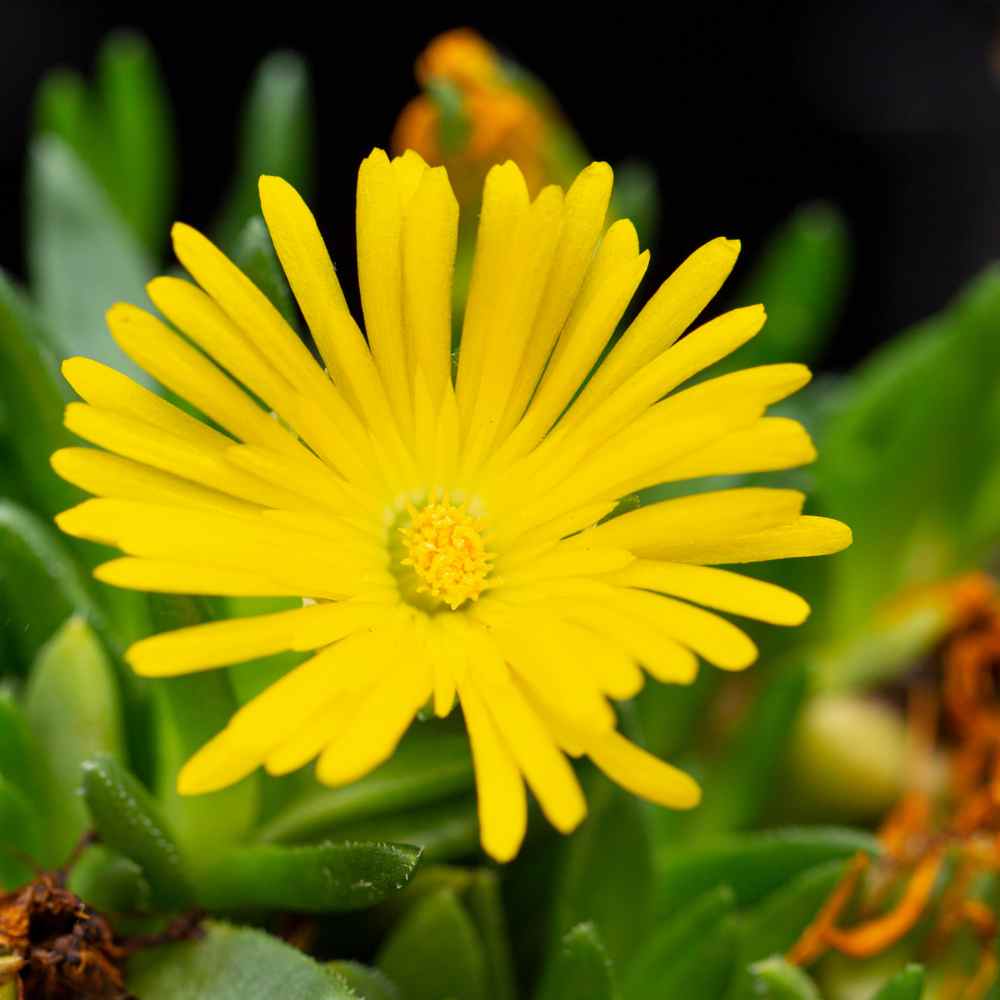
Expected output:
(446, 550)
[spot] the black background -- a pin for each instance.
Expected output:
(889, 109)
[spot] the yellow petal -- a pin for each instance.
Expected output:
(164, 576)
(805, 536)
(218, 764)
(717, 588)
(664, 317)
(312, 737)
(502, 802)
(643, 774)
(430, 237)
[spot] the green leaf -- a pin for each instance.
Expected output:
(777, 923)
(20, 834)
(231, 963)
(753, 864)
(18, 751)
(367, 983)
(436, 952)
(431, 764)
(669, 946)
(636, 197)
(32, 394)
(254, 255)
(905, 985)
(742, 783)
(73, 711)
(801, 277)
(669, 713)
(82, 257)
(128, 820)
(580, 969)
(138, 130)
(277, 138)
(617, 898)
(188, 712)
(484, 902)
(775, 979)
(316, 878)
(110, 882)
(40, 584)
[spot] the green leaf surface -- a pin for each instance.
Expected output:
(752, 864)
(800, 276)
(18, 751)
(110, 882)
(316, 878)
(775, 979)
(129, 821)
(73, 710)
(580, 969)
(82, 257)
(905, 985)
(776, 924)
(41, 585)
(231, 963)
(617, 898)
(668, 947)
(367, 983)
(32, 397)
(254, 255)
(430, 765)
(436, 952)
(138, 130)
(276, 138)
(742, 783)
(484, 902)
(20, 835)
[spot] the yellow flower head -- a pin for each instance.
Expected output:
(447, 518)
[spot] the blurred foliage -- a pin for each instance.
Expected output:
(640, 903)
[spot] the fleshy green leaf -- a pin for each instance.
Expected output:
(742, 783)
(40, 584)
(137, 128)
(801, 277)
(436, 952)
(777, 923)
(483, 900)
(668, 948)
(276, 138)
(775, 979)
(580, 969)
(905, 985)
(18, 751)
(617, 898)
(367, 983)
(430, 765)
(82, 257)
(110, 882)
(232, 963)
(317, 878)
(32, 396)
(73, 711)
(753, 864)
(254, 255)
(129, 821)
(20, 834)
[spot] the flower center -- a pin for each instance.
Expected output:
(444, 548)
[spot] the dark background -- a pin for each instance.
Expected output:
(889, 109)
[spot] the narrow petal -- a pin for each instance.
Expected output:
(217, 765)
(163, 576)
(643, 774)
(805, 536)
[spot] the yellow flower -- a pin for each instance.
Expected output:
(447, 521)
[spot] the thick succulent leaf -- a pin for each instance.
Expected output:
(82, 257)
(431, 765)
(742, 783)
(20, 835)
(775, 979)
(32, 396)
(580, 969)
(436, 952)
(905, 985)
(367, 983)
(775, 925)
(669, 947)
(316, 878)
(18, 751)
(188, 712)
(40, 583)
(801, 276)
(752, 864)
(484, 902)
(254, 255)
(110, 882)
(73, 709)
(617, 898)
(129, 821)
(232, 963)
(277, 138)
